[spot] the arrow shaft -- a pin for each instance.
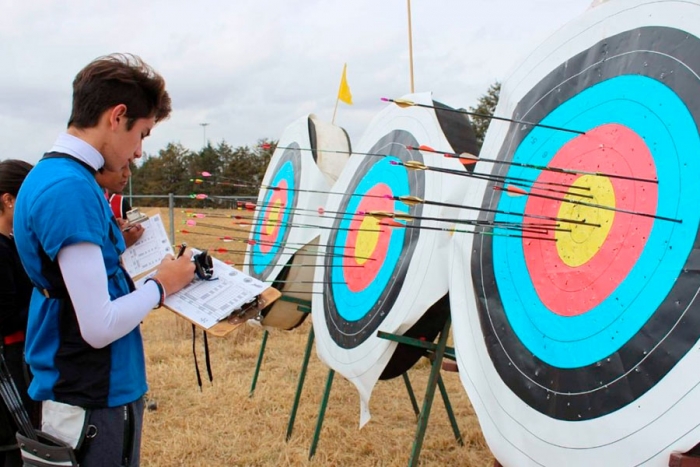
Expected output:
(477, 232)
(312, 226)
(562, 170)
(598, 206)
(510, 213)
(299, 265)
(303, 282)
(503, 225)
(495, 117)
(499, 178)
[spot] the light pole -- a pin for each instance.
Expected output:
(410, 43)
(204, 133)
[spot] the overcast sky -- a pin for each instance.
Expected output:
(251, 67)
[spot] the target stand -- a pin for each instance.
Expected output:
(304, 306)
(436, 352)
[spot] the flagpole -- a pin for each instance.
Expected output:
(410, 42)
(340, 88)
(335, 110)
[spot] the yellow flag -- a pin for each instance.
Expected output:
(344, 91)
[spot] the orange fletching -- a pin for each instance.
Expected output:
(515, 190)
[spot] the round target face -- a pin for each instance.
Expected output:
(272, 221)
(368, 260)
(588, 319)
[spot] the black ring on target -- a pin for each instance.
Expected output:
(586, 392)
(272, 221)
(353, 313)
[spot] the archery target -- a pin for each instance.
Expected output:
(356, 299)
(576, 347)
(329, 147)
(376, 276)
(286, 222)
(272, 222)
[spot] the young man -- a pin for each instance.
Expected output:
(113, 184)
(83, 342)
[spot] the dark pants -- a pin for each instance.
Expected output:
(113, 437)
(14, 357)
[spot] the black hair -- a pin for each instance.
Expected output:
(12, 174)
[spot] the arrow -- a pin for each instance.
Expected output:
(517, 192)
(193, 223)
(321, 210)
(307, 226)
(336, 151)
(255, 242)
(413, 200)
(304, 282)
(470, 159)
(417, 165)
(300, 253)
(298, 265)
(301, 291)
(407, 103)
(393, 223)
(504, 225)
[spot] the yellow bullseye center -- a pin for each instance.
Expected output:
(274, 217)
(577, 247)
(367, 239)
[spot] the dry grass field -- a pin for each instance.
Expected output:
(222, 426)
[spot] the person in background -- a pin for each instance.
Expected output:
(83, 342)
(15, 292)
(113, 183)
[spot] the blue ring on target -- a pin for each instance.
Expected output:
(668, 129)
(355, 305)
(263, 260)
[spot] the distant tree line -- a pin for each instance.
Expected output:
(235, 171)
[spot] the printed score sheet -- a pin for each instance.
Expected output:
(202, 302)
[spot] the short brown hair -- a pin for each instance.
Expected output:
(118, 79)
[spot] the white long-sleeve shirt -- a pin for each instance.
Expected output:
(101, 320)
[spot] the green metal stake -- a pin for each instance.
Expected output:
(429, 395)
(300, 384)
(450, 413)
(257, 365)
(411, 395)
(321, 413)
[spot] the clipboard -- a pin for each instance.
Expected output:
(218, 306)
(237, 317)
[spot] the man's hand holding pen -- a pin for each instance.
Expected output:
(176, 273)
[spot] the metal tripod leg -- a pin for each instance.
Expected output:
(429, 395)
(257, 365)
(321, 413)
(300, 383)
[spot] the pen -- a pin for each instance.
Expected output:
(183, 245)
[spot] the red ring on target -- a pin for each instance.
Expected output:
(571, 291)
(357, 279)
(274, 212)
